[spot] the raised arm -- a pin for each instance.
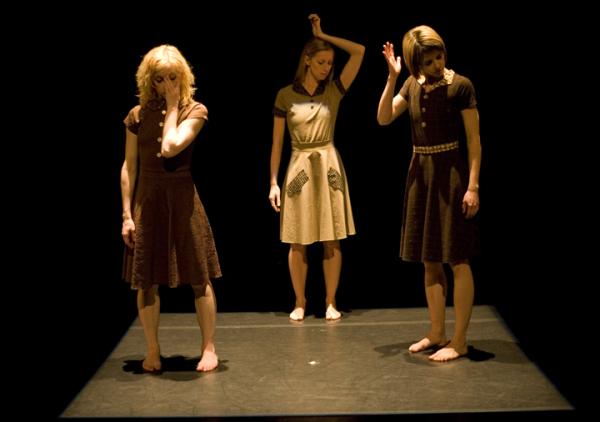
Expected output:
(356, 51)
(390, 107)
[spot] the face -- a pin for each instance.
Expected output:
(320, 64)
(160, 78)
(433, 65)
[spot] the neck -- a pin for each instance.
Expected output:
(310, 83)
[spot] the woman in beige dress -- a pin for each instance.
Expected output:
(314, 200)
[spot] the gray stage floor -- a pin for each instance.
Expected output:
(270, 366)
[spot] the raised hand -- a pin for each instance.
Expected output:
(315, 21)
(393, 62)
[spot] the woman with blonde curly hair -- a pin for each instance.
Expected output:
(168, 237)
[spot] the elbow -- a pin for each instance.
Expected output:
(382, 121)
(167, 153)
(361, 50)
(168, 149)
(128, 169)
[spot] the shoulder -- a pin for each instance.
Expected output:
(462, 81)
(409, 84)
(411, 81)
(336, 88)
(284, 97)
(133, 118)
(286, 90)
(196, 110)
(463, 91)
(134, 111)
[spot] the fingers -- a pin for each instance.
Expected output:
(129, 241)
(470, 209)
(129, 237)
(275, 204)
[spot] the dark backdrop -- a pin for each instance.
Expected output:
(241, 56)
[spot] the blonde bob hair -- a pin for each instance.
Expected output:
(418, 41)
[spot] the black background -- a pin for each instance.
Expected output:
(531, 264)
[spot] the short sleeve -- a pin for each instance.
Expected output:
(130, 122)
(280, 108)
(404, 91)
(340, 86)
(198, 111)
(466, 94)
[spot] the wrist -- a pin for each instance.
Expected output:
(473, 188)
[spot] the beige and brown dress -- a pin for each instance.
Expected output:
(173, 239)
(315, 201)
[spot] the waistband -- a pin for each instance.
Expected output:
(434, 149)
(307, 146)
(161, 174)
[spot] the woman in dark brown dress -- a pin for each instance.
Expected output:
(442, 188)
(168, 236)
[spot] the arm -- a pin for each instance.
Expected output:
(390, 107)
(470, 118)
(176, 138)
(128, 180)
(356, 51)
(278, 131)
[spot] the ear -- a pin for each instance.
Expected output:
(306, 60)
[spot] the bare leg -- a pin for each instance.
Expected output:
(206, 314)
(436, 287)
(148, 304)
(464, 292)
(298, 269)
(332, 267)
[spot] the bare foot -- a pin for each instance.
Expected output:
(209, 361)
(297, 314)
(332, 314)
(152, 363)
(426, 344)
(448, 353)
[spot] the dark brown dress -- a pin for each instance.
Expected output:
(173, 239)
(434, 227)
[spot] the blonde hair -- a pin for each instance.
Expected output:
(311, 48)
(418, 41)
(160, 58)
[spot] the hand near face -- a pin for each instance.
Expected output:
(172, 91)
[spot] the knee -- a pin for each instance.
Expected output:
(460, 265)
(297, 248)
(434, 268)
(434, 273)
(202, 290)
(330, 248)
(149, 294)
